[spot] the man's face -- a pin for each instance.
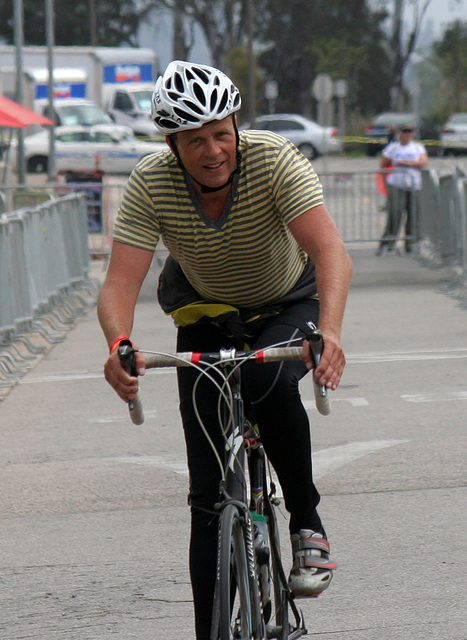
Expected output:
(209, 153)
(406, 135)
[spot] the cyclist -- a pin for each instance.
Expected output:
(255, 256)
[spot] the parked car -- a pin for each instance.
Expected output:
(454, 135)
(111, 148)
(311, 138)
(377, 132)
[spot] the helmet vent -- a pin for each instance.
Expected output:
(201, 75)
(178, 82)
(194, 107)
(165, 123)
(214, 100)
(223, 102)
(185, 115)
(199, 94)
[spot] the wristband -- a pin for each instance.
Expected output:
(117, 341)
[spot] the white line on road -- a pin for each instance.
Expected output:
(324, 461)
(435, 397)
(124, 417)
(327, 460)
(400, 356)
(69, 376)
(354, 402)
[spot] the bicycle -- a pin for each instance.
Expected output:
(248, 555)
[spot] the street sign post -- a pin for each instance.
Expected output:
(322, 87)
(322, 90)
(271, 92)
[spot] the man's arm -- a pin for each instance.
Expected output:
(115, 309)
(419, 163)
(385, 163)
(317, 234)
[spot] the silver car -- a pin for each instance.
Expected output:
(312, 139)
(454, 135)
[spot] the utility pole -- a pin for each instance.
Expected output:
(49, 28)
(19, 41)
(92, 23)
(251, 66)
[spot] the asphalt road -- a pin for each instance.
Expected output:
(93, 517)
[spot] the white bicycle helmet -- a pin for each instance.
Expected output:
(189, 95)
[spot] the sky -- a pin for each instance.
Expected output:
(442, 12)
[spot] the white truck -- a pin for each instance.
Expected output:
(119, 80)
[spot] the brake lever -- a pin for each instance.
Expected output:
(315, 339)
(127, 355)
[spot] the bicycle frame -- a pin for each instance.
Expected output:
(234, 486)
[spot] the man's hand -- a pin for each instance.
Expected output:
(124, 384)
(332, 362)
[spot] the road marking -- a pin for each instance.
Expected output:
(401, 356)
(354, 402)
(80, 375)
(327, 460)
(324, 461)
(435, 397)
(124, 417)
(358, 401)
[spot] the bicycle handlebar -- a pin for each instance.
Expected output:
(126, 353)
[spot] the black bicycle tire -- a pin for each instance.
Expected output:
(234, 573)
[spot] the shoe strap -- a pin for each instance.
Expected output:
(303, 560)
(304, 544)
(313, 562)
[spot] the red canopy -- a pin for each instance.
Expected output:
(15, 116)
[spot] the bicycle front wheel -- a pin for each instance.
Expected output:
(237, 610)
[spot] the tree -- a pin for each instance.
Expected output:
(343, 38)
(116, 22)
(451, 58)
(182, 41)
(402, 50)
(223, 23)
(349, 43)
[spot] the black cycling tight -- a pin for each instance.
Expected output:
(285, 433)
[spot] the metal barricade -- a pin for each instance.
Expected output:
(42, 251)
(103, 197)
(103, 201)
(44, 263)
(356, 204)
(89, 183)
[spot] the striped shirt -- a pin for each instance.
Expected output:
(248, 257)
